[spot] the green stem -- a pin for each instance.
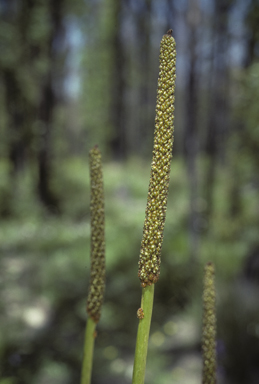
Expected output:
(88, 351)
(143, 335)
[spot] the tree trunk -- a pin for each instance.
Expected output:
(15, 110)
(191, 131)
(44, 151)
(119, 142)
(145, 118)
(46, 109)
(218, 124)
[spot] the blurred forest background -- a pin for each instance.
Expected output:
(75, 73)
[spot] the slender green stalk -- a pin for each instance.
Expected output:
(150, 251)
(209, 326)
(143, 333)
(88, 351)
(97, 281)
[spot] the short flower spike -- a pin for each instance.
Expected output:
(209, 327)
(149, 260)
(97, 283)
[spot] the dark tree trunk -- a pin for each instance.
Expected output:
(218, 121)
(46, 109)
(119, 141)
(191, 130)
(44, 151)
(252, 21)
(145, 118)
(15, 110)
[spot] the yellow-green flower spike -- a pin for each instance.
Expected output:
(97, 281)
(149, 260)
(209, 327)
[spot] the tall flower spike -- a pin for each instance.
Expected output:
(209, 327)
(97, 281)
(149, 260)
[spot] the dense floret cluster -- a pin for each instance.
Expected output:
(149, 261)
(97, 282)
(209, 326)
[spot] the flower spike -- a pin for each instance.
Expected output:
(149, 260)
(209, 326)
(97, 282)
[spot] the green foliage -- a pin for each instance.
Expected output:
(8, 380)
